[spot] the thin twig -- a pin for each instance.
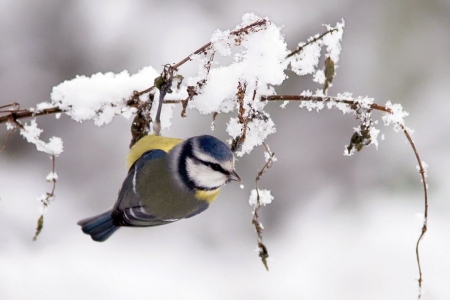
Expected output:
(205, 48)
(263, 252)
(24, 113)
(425, 190)
(300, 49)
(319, 99)
(46, 201)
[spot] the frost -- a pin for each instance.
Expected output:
(31, 133)
(45, 200)
(283, 105)
(257, 131)
(395, 116)
(312, 105)
(234, 128)
(247, 19)
(307, 60)
(333, 41)
(221, 43)
(268, 156)
(319, 77)
(265, 197)
(374, 136)
(10, 126)
(425, 168)
(44, 105)
(52, 176)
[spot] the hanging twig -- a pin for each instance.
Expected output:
(46, 199)
(422, 172)
(263, 252)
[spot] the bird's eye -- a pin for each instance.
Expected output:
(216, 167)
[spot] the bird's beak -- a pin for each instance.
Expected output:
(234, 176)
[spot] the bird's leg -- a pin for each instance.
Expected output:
(165, 88)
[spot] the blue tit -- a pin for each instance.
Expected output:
(168, 180)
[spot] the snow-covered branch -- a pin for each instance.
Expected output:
(242, 87)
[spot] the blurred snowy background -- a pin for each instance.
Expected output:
(339, 228)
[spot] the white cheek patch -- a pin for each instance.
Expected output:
(203, 156)
(204, 176)
(226, 165)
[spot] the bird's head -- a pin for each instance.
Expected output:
(204, 163)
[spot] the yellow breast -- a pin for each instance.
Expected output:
(208, 196)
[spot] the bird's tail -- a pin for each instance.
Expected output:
(100, 227)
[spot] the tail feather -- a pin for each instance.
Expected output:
(100, 227)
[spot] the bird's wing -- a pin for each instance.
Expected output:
(128, 210)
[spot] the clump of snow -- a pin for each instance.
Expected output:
(52, 176)
(221, 42)
(283, 105)
(395, 116)
(306, 61)
(257, 131)
(259, 64)
(10, 126)
(43, 105)
(374, 136)
(31, 133)
(103, 96)
(319, 77)
(333, 41)
(268, 156)
(265, 197)
(45, 200)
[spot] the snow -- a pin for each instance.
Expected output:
(265, 197)
(31, 133)
(283, 105)
(396, 116)
(231, 76)
(425, 168)
(52, 176)
(256, 133)
(333, 41)
(306, 61)
(258, 65)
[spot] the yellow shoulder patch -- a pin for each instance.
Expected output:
(208, 196)
(150, 142)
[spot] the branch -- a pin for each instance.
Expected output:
(238, 32)
(263, 253)
(300, 49)
(25, 113)
(319, 99)
(46, 199)
(20, 114)
(425, 215)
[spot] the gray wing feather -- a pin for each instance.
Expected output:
(129, 209)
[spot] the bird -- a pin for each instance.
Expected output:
(169, 179)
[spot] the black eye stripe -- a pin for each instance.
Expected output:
(214, 166)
